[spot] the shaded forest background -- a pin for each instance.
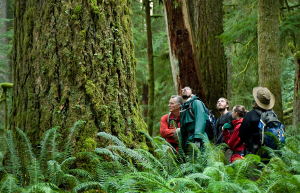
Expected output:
(240, 43)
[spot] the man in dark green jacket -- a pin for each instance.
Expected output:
(192, 120)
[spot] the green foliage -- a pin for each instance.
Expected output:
(116, 168)
(164, 86)
(240, 39)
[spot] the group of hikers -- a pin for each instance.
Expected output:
(189, 119)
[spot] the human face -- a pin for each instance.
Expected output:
(221, 104)
(173, 105)
(235, 115)
(186, 92)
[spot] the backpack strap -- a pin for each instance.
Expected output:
(168, 120)
(190, 109)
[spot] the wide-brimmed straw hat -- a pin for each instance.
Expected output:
(263, 97)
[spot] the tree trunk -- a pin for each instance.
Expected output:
(150, 68)
(197, 56)
(74, 60)
(229, 75)
(145, 101)
(296, 104)
(3, 40)
(268, 50)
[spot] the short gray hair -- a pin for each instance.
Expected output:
(178, 99)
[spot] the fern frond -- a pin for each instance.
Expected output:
(112, 138)
(42, 187)
(153, 162)
(217, 172)
(66, 163)
(184, 182)
(88, 186)
(221, 186)
(150, 180)
(48, 139)
(106, 151)
(81, 173)
(15, 165)
(68, 146)
(9, 184)
(26, 143)
(2, 169)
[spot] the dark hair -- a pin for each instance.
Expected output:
(178, 99)
(240, 110)
(255, 106)
(227, 102)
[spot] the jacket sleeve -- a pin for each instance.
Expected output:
(164, 130)
(216, 132)
(200, 119)
(232, 139)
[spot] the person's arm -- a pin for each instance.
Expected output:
(245, 128)
(216, 132)
(232, 139)
(200, 119)
(165, 132)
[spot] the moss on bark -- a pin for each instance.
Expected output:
(268, 50)
(69, 68)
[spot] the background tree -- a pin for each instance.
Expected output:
(164, 86)
(75, 60)
(150, 68)
(268, 50)
(197, 55)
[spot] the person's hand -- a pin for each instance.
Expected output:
(197, 143)
(226, 126)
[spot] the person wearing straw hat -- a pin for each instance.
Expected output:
(249, 131)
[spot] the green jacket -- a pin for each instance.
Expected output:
(192, 128)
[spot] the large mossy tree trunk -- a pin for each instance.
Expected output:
(74, 60)
(197, 55)
(268, 50)
(150, 68)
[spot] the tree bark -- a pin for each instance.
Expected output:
(197, 55)
(296, 103)
(145, 101)
(150, 68)
(3, 40)
(229, 75)
(74, 60)
(268, 50)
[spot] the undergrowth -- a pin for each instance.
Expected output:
(116, 168)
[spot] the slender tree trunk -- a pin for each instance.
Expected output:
(145, 101)
(150, 68)
(197, 56)
(74, 60)
(268, 50)
(3, 40)
(296, 104)
(229, 75)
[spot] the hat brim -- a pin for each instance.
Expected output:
(261, 105)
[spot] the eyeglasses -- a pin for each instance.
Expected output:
(186, 88)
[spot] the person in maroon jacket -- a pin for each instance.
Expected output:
(167, 128)
(232, 139)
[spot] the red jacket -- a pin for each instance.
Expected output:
(168, 132)
(233, 140)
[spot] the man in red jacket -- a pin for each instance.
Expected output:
(167, 126)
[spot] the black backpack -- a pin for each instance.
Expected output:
(271, 130)
(210, 124)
